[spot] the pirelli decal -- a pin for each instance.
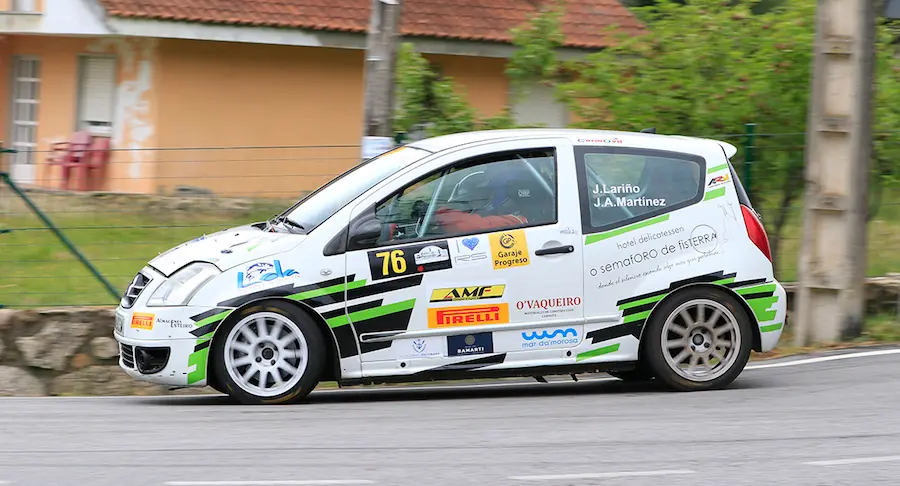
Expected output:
(468, 315)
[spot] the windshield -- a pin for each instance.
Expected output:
(321, 204)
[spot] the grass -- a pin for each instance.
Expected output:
(39, 271)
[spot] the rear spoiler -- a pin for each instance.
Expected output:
(729, 149)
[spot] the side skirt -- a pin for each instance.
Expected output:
(451, 374)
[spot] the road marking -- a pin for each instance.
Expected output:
(822, 359)
(270, 483)
(859, 460)
(624, 474)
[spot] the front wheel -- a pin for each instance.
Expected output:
(269, 353)
(699, 340)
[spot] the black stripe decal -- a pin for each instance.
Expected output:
(639, 309)
(353, 308)
(617, 331)
(387, 286)
(758, 295)
(398, 321)
(208, 328)
(471, 364)
(746, 283)
(209, 313)
(284, 291)
(346, 341)
(203, 345)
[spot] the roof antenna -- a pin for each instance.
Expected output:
(649, 130)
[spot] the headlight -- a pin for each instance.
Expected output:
(179, 288)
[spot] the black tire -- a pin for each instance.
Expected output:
(315, 354)
(713, 300)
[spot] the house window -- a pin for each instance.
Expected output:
(26, 91)
(23, 5)
(96, 94)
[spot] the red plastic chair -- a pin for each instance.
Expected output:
(93, 165)
(67, 155)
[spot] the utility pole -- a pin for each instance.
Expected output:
(831, 296)
(381, 60)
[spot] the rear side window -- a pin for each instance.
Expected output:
(620, 186)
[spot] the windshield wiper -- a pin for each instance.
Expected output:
(287, 222)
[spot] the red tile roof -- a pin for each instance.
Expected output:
(481, 20)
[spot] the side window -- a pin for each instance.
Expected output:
(500, 191)
(622, 186)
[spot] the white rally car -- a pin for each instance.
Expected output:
(486, 254)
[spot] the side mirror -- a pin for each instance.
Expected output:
(364, 232)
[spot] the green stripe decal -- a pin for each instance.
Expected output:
(771, 327)
(640, 316)
(714, 194)
(198, 359)
(717, 168)
(365, 314)
(756, 289)
(760, 308)
(625, 229)
(309, 294)
(724, 281)
(209, 320)
(638, 303)
(597, 352)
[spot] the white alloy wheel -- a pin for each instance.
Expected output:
(702, 340)
(266, 354)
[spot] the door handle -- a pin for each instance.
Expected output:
(555, 250)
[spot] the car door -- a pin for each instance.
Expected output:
(475, 255)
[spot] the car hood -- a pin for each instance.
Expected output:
(226, 249)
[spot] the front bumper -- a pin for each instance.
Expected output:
(163, 362)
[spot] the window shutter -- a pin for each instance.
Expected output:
(98, 88)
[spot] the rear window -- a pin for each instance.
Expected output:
(620, 186)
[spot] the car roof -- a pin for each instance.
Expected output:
(444, 142)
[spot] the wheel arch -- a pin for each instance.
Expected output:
(757, 336)
(333, 361)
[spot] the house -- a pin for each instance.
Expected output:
(177, 84)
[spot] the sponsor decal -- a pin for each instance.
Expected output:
(420, 349)
(470, 315)
(617, 195)
(568, 231)
(175, 323)
(718, 181)
(407, 260)
(544, 339)
(703, 239)
(469, 250)
(468, 344)
(600, 140)
(648, 237)
(140, 320)
(509, 249)
(262, 272)
(468, 293)
(548, 307)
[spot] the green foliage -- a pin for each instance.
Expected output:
(535, 59)
(427, 99)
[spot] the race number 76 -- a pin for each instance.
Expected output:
(394, 259)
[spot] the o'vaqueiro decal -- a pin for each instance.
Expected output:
(371, 316)
(635, 310)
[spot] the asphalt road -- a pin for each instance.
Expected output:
(804, 423)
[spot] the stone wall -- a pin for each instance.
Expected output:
(71, 351)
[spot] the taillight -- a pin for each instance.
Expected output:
(756, 231)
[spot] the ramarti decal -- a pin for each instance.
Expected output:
(468, 344)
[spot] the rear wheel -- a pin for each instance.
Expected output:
(268, 354)
(699, 340)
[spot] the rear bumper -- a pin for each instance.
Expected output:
(772, 316)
